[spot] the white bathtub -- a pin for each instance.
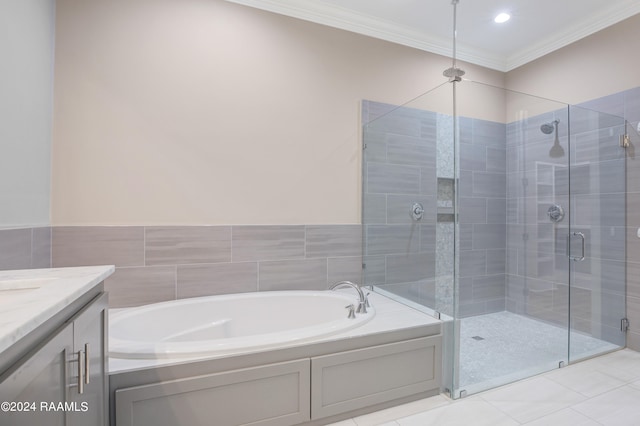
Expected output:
(218, 325)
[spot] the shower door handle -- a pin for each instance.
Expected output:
(575, 258)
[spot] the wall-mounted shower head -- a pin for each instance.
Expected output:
(548, 128)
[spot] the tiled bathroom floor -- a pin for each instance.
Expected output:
(600, 391)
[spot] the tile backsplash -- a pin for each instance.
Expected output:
(160, 263)
(25, 248)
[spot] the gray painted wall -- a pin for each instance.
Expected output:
(26, 84)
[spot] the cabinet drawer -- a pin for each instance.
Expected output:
(355, 379)
(275, 394)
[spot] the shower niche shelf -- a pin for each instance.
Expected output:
(446, 200)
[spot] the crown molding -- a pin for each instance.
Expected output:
(573, 33)
(347, 19)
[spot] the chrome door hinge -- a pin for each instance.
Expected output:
(624, 324)
(625, 141)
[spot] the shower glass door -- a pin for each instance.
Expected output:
(512, 286)
(503, 214)
(596, 239)
(540, 241)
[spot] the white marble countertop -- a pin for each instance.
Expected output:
(30, 297)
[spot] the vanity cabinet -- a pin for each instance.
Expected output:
(41, 377)
(90, 339)
(63, 379)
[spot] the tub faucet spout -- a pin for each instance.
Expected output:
(362, 303)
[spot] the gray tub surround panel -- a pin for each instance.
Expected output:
(276, 394)
(159, 263)
(25, 248)
(394, 359)
(313, 390)
(360, 378)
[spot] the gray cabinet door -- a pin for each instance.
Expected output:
(90, 341)
(40, 382)
(270, 395)
(351, 380)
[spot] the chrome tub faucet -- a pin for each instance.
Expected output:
(363, 303)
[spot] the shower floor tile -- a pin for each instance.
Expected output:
(502, 347)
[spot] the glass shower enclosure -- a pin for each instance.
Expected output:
(503, 214)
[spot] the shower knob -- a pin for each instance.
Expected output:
(555, 213)
(417, 211)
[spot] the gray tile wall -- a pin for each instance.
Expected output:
(401, 166)
(399, 169)
(626, 104)
(538, 271)
(632, 116)
(536, 279)
(158, 263)
(25, 248)
(482, 217)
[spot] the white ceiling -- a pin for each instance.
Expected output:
(537, 27)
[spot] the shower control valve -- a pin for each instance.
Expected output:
(555, 213)
(417, 211)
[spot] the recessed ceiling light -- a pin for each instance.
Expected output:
(502, 18)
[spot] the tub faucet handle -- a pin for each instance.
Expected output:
(362, 307)
(366, 300)
(352, 311)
